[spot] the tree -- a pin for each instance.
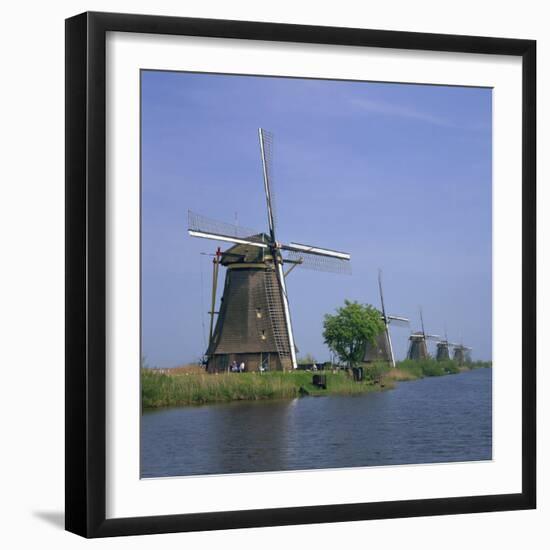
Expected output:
(308, 359)
(347, 332)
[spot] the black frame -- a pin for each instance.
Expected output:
(85, 274)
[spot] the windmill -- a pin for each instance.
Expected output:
(418, 348)
(442, 353)
(462, 354)
(382, 350)
(253, 323)
(443, 349)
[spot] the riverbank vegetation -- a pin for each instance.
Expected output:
(183, 386)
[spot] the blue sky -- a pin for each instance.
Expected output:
(398, 175)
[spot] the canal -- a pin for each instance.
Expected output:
(440, 419)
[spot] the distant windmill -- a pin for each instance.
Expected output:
(442, 353)
(418, 348)
(382, 350)
(253, 324)
(443, 349)
(462, 354)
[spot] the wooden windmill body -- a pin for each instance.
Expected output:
(418, 348)
(445, 348)
(250, 312)
(462, 354)
(253, 324)
(382, 350)
(442, 353)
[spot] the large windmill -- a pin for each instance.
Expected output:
(382, 350)
(253, 323)
(418, 348)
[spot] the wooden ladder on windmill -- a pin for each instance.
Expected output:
(277, 317)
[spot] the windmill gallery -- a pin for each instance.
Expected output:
(252, 327)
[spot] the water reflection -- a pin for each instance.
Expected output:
(249, 435)
(430, 420)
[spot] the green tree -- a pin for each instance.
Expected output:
(347, 331)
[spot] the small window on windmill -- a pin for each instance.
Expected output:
(258, 313)
(262, 335)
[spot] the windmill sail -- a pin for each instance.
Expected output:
(316, 250)
(385, 319)
(398, 321)
(266, 149)
(317, 262)
(207, 228)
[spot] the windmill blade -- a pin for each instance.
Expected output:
(266, 149)
(286, 310)
(385, 319)
(432, 337)
(307, 248)
(197, 222)
(207, 228)
(422, 322)
(233, 240)
(316, 262)
(398, 321)
(382, 296)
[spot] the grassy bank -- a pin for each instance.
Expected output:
(181, 387)
(412, 370)
(166, 390)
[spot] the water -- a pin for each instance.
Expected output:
(444, 419)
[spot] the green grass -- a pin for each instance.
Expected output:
(428, 367)
(431, 367)
(168, 390)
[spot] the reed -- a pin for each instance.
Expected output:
(178, 387)
(411, 370)
(166, 390)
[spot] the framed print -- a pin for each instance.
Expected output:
(367, 349)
